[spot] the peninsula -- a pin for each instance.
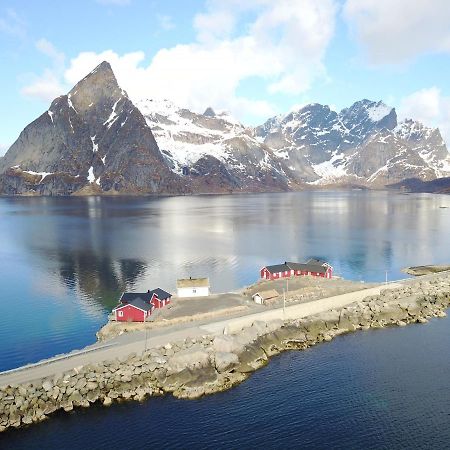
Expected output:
(191, 359)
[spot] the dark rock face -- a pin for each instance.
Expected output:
(211, 175)
(93, 138)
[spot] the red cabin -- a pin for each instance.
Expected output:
(160, 298)
(136, 307)
(314, 267)
(135, 311)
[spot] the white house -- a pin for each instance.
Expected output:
(262, 297)
(193, 287)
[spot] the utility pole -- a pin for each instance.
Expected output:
(386, 276)
(284, 304)
(146, 333)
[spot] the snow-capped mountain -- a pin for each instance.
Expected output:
(95, 140)
(363, 144)
(192, 142)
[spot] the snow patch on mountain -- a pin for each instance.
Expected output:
(378, 111)
(43, 175)
(184, 137)
(332, 169)
(91, 176)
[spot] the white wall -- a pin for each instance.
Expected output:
(193, 292)
(257, 299)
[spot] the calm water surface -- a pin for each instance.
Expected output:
(65, 262)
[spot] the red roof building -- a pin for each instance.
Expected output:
(314, 267)
(137, 307)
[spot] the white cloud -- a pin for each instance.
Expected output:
(48, 49)
(283, 44)
(165, 22)
(45, 87)
(50, 83)
(12, 24)
(430, 107)
(397, 31)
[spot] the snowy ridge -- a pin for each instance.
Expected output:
(363, 143)
(314, 145)
(185, 137)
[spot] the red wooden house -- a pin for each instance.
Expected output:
(314, 267)
(136, 307)
(134, 311)
(159, 297)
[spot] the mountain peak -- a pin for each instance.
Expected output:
(103, 66)
(99, 86)
(209, 112)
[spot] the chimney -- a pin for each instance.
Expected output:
(148, 291)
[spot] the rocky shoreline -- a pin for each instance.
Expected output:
(213, 363)
(426, 270)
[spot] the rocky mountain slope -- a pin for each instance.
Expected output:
(91, 140)
(195, 144)
(95, 140)
(363, 145)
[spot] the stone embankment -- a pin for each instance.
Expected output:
(211, 363)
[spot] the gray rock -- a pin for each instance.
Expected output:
(225, 361)
(193, 357)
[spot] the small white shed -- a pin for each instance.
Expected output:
(193, 287)
(261, 297)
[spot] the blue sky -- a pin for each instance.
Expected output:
(255, 58)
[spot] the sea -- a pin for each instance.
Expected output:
(64, 263)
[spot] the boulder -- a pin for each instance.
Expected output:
(274, 325)
(225, 361)
(47, 385)
(251, 359)
(270, 344)
(193, 357)
(329, 318)
(227, 344)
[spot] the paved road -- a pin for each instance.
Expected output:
(127, 343)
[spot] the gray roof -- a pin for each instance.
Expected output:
(128, 297)
(278, 268)
(307, 267)
(141, 304)
(138, 303)
(160, 293)
(316, 261)
(312, 265)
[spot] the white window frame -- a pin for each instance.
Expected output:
(120, 313)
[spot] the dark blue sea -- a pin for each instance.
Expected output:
(64, 262)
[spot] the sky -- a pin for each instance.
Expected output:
(253, 58)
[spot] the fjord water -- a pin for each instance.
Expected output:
(65, 262)
(383, 389)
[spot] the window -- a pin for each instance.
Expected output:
(120, 313)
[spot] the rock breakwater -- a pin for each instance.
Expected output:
(194, 367)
